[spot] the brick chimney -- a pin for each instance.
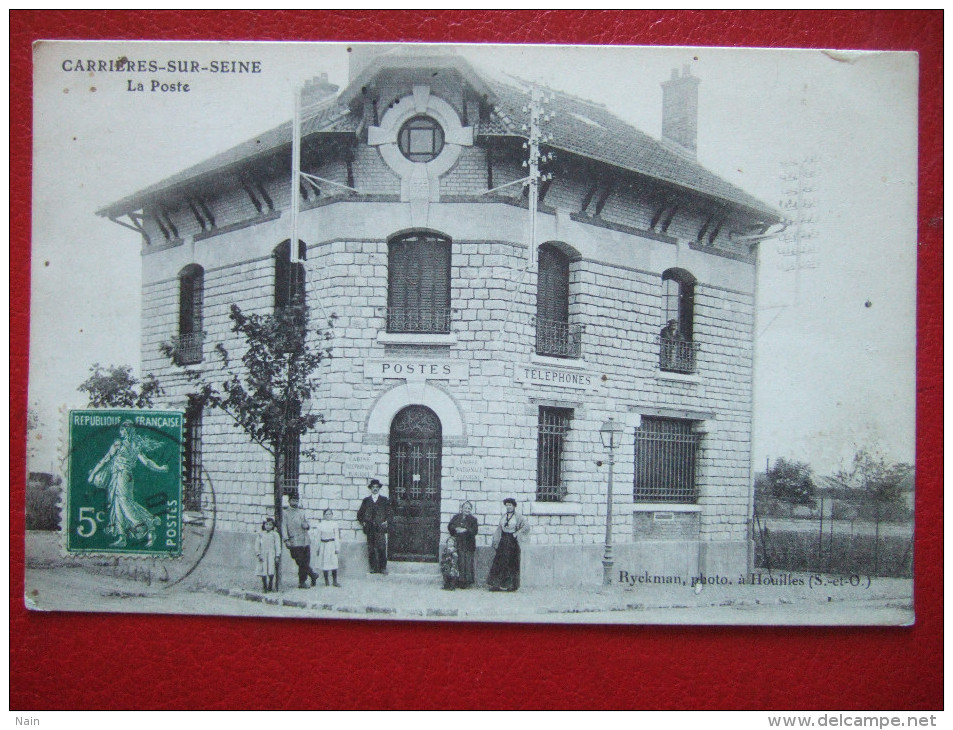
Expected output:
(316, 89)
(680, 109)
(360, 56)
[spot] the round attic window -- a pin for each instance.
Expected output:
(420, 139)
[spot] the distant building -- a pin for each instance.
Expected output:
(465, 365)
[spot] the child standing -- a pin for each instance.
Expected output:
(330, 547)
(269, 545)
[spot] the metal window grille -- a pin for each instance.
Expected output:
(558, 339)
(551, 443)
(666, 452)
(416, 471)
(192, 466)
(188, 348)
(292, 464)
(415, 453)
(676, 355)
(418, 319)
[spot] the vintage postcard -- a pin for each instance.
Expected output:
(473, 333)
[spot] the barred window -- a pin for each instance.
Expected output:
(188, 343)
(292, 464)
(554, 335)
(418, 284)
(551, 444)
(666, 451)
(192, 457)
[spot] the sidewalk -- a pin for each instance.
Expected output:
(397, 597)
(408, 595)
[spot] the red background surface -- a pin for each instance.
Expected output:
(180, 662)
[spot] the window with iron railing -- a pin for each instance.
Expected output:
(550, 450)
(676, 355)
(558, 339)
(418, 284)
(677, 348)
(666, 453)
(192, 458)
(187, 345)
(555, 336)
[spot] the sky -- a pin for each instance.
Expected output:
(835, 344)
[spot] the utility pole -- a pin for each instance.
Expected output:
(795, 246)
(537, 116)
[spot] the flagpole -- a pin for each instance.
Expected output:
(295, 174)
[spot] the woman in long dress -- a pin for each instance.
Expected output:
(329, 547)
(505, 570)
(128, 520)
(463, 528)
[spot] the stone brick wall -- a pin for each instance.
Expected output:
(665, 526)
(615, 294)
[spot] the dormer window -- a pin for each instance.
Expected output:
(420, 139)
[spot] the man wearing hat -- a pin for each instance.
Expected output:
(374, 515)
(295, 527)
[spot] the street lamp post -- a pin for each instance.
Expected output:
(608, 432)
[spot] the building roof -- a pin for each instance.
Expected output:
(590, 130)
(580, 127)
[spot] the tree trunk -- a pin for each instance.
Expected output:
(278, 493)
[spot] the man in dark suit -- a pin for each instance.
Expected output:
(374, 516)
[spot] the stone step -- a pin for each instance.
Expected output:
(402, 567)
(408, 572)
(412, 578)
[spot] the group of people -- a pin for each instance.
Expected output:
(295, 531)
(457, 558)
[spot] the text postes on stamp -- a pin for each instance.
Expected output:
(124, 494)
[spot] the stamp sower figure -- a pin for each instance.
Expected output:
(128, 520)
(374, 516)
(269, 545)
(463, 528)
(505, 570)
(330, 546)
(295, 527)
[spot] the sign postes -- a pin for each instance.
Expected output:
(423, 369)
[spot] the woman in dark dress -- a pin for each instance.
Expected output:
(463, 528)
(505, 571)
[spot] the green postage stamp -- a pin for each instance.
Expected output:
(125, 482)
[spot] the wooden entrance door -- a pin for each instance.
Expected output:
(415, 453)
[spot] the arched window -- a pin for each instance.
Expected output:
(554, 335)
(677, 340)
(418, 284)
(289, 277)
(188, 343)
